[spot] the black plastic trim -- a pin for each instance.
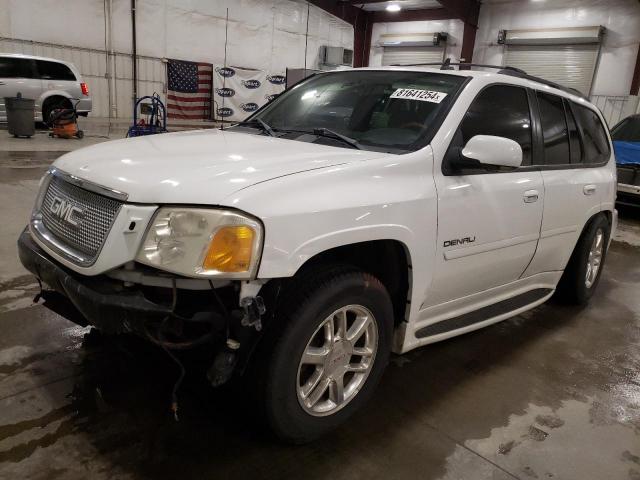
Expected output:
(484, 313)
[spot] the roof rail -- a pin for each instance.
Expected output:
(504, 70)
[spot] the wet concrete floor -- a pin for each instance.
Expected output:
(552, 393)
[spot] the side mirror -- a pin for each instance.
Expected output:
(493, 151)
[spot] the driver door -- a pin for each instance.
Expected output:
(488, 218)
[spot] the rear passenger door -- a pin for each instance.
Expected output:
(576, 181)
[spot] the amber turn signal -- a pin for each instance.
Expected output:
(230, 250)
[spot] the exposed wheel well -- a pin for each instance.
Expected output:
(49, 102)
(387, 260)
(604, 213)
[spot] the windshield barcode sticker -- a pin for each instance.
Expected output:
(421, 95)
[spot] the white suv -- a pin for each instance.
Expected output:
(361, 212)
(51, 83)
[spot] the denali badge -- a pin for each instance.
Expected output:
(459, 241)
(65, 210)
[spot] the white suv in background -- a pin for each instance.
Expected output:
(359, 213)
(51, 83)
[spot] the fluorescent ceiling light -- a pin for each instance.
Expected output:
(393, 7)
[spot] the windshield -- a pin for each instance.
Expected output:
(627, 131)
(393, 111)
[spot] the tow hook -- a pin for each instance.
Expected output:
(253, 310)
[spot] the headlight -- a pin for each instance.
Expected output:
(200, 242)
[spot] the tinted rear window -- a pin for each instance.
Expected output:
(554, 129)
(54, 71)
(15, 68)
(596, 143)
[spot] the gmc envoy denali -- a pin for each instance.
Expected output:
(362, 212)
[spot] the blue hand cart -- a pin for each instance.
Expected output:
(152, 119)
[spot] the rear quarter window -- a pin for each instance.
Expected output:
(54, 71)
(594, 136)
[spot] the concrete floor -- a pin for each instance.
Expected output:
(553, 393)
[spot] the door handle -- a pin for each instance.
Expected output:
(589, 189)
(531, 196)
(2, 83)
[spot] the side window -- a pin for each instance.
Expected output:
(596, 143)
(554, 129)
(575, 142)
(502, 111)
(15, 68)
(54, 71)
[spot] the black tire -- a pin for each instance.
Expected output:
(316, 295)
(80, 134)
(572, 287)
(52, 104)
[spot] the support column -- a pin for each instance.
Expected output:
(468, 42)
(635, 82)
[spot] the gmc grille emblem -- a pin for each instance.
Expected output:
(65, 210)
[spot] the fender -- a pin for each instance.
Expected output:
(392, 197)
(349, 236)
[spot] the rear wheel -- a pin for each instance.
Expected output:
(582, 275)
(51, 104)
(328, 353)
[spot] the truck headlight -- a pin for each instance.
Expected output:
(202, 242)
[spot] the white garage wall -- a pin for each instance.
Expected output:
(621, 18)
(262, 34)
(453, 27)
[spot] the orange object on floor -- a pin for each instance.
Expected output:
(69, 130)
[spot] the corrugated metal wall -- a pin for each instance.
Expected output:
(92, 64)
(616, 107)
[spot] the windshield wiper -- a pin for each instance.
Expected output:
(261, 124)
(325, 132)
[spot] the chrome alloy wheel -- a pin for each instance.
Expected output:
(337, 360)
(595, 258)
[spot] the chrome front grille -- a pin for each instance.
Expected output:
(79, 220)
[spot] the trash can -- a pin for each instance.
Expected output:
(20, 116)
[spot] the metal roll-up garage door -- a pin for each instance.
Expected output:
(412, 55)
(568, 56)
(569, 65)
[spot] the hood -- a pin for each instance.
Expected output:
(198, 167)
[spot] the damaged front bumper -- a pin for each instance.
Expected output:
(103, 302)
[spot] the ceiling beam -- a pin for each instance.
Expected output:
(362, 2)
(410, 15)
(343, 10)
(465, 10)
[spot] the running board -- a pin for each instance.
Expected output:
(484, 313)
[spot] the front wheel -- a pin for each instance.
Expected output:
(331, 349)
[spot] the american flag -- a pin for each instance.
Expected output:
(189, 92)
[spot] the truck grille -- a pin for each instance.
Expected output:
(78, 218)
